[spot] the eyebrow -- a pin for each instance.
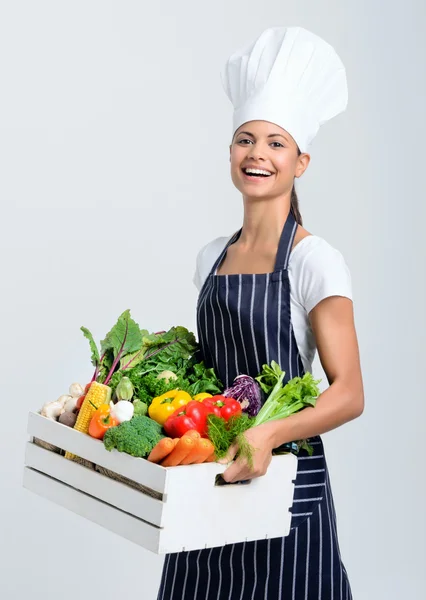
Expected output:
(269, 136)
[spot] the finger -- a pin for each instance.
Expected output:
(230, 455)
(236, 472)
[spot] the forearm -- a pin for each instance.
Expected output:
(337, 405)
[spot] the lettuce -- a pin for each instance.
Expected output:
(297, 394)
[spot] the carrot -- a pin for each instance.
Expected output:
(193, 433)
(211, 458)
(202, 450)
(183, 447)
(161, 450)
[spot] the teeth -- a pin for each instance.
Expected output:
(257, 171)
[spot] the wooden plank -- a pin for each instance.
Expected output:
(138, 469)
(91, 482)
(113, 519)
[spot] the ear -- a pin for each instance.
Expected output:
(302, 164)
(230, 152)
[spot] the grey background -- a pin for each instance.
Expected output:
(114, 134)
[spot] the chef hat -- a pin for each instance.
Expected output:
(287, 76)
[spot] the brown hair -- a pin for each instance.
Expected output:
(294, 204)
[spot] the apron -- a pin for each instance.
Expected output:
(243, 322)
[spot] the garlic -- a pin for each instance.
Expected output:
(76, 390)
(122, 411)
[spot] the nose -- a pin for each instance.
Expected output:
(256, 152)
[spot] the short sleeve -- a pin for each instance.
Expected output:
(320, 272)
(197, 281)
(206, 258)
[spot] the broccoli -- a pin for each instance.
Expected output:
(136, 437)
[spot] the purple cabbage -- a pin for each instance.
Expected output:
(247, 391)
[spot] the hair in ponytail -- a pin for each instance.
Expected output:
(294, 204)
(294, 207)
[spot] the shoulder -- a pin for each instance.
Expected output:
(314, 250)
(318, 270)
(206, 258)
(212, 250)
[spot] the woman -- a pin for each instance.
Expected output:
(273, 291)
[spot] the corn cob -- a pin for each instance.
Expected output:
(98, 394)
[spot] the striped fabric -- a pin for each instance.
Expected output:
(244, 321)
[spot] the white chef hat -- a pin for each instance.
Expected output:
(287, 76)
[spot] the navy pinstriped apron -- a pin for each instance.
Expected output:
(244, 321)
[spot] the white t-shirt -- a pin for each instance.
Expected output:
(316, 271)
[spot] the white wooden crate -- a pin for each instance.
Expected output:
(183, 509)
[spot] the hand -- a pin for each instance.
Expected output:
(261, 441)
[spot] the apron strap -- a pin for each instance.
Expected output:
(284, 247)
(233, 239)
(286, 243)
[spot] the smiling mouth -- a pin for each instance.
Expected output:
(256, 173)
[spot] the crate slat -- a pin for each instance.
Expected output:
(103, 514)
(66, 438)
(104, 488)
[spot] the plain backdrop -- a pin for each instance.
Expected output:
(114, 133)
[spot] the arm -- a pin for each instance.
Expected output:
(332, 322)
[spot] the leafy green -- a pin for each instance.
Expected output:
(107, 360)
(141, 356)
(150, 387)
(203, 379)
(166, 348)
(224, 433)
(94, 349)
(304, 445)
(282, 402)
(269, 376)
(146, 385)
(192, 378)
(124, 337)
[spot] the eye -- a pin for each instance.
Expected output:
(242, 140)
(278, 145)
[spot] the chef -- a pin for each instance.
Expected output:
(274, 291)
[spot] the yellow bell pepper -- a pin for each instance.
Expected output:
(202, 396)
(165, 405)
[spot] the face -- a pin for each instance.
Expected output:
(274, 156)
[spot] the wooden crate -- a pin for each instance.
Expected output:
(175, 508)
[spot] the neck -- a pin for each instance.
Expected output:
(264, 219)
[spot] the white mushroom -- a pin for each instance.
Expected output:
(63, 399)
(71, 404)
(52, 410)
(76, 390)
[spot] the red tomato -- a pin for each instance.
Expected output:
(80, 401)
